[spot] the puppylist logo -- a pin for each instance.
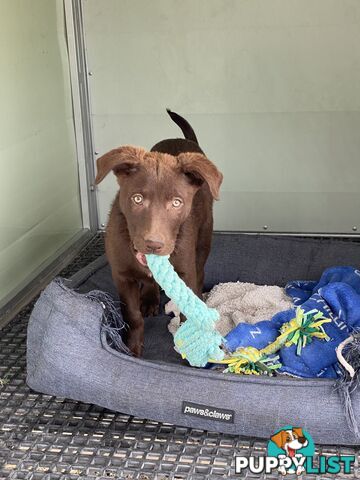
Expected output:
(291, 450)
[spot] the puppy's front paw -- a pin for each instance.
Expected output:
(149, 308)
(135, 342)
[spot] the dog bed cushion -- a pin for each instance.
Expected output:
(70, 353)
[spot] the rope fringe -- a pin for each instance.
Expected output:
(112, 322)
(349, 351)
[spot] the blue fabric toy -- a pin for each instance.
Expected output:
(196, 340)
(337, 296)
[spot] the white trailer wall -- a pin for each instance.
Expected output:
(40, 203)
(272, 88)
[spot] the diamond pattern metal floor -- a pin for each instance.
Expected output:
(43, 437)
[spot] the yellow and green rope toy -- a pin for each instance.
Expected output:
(300, 331)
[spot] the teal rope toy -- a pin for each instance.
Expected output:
(196, 340)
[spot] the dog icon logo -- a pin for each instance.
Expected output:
(291, 445)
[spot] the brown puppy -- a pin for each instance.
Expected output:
(164, 206)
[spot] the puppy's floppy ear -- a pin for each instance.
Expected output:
(123, 160)
(279, 438)
(200, 169)
(298, 431)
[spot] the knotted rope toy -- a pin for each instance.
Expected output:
(299, 331)
(196, 340)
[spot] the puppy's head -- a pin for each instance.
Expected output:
(156, 193)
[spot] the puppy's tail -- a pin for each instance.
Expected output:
(185, 126)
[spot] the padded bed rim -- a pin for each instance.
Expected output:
(94, 374)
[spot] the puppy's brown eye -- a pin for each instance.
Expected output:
(137, 198)
(177, 202)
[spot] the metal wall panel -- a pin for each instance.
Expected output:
(272, 89)
(39, 195)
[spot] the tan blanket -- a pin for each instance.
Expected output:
(239, 302)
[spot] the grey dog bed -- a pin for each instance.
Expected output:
(71, 354)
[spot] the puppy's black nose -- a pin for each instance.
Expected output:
(302, 439)
(153, 246)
